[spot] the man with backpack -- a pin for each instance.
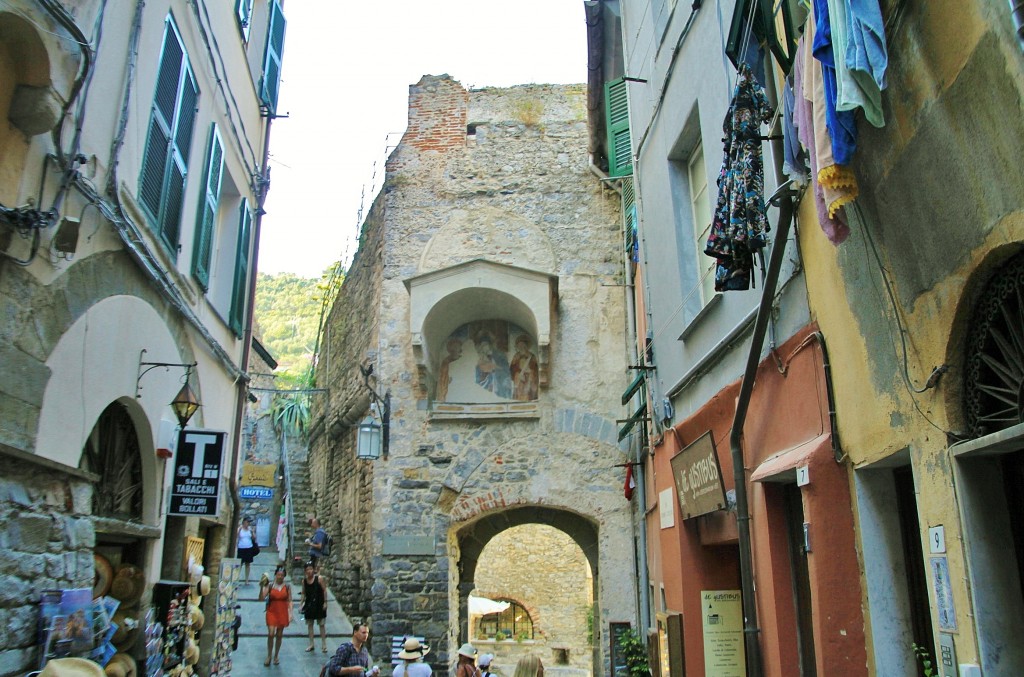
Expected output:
(320, 543)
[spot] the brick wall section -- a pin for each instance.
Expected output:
(437, 115)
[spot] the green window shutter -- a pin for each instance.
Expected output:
(239, 290)
(169, 139)
(775, 27)
(272, 58)
(208, 201)
(620, 152)
(243, 10)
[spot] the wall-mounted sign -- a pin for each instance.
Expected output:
(408, 545)
(195, 489)
(258, 493)
(722, 616)
(698, 478)
(666, 512)
(256, 475)
(943, 594)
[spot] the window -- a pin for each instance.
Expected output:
(776, 25)
(700, 207)
(513, 623)
(207, 217)
(620, 152)
(272, 58)
(243, 10)
(165, 161)
(240, 288)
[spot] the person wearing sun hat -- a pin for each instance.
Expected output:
(467, 662)
(485, 663)
(412, 654)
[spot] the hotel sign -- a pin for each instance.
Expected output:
(698, 478)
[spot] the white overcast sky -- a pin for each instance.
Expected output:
(345, 84)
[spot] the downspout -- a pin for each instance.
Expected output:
(262, 186)
(783, 199)
(1017, 14)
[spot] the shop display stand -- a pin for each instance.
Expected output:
(227, 601)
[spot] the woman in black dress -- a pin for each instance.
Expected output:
(314, 605)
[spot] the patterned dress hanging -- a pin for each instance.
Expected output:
(740, 222)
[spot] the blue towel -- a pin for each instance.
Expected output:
(842, 127)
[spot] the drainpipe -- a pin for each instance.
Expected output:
(262, 186)
(1017, 14)
(783, 199)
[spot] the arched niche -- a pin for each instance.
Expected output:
(27, 98)
(444, 300)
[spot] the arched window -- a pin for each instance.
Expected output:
(994, 370)
(513, 623)
(112, 452)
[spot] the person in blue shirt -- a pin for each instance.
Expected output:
(316, 543)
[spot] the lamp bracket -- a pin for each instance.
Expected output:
(149, 366)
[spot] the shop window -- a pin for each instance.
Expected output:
(512, 623)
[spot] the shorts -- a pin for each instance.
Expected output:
(247, 555)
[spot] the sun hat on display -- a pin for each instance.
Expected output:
(71, 667)
(485, 660)
(467, 650)
(412, 649)
(128, 584)
(104, 575)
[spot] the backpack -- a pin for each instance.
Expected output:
(327, 546)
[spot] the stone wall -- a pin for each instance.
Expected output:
(46, 543)
(516, 191)
(544, 571)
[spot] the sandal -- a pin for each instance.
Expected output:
(277, 661)
(266, 663)
(325, 648)
(310, 648)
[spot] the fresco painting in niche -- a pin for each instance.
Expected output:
(475, 366)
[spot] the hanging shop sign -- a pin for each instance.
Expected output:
(722, 617)
(195, 489)
(259, 475)
(698, 478)
(259, 493)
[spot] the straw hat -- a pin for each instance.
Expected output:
(126, 629)
(467, 650)
(104, 575)
(128, 584)
(198, 618)
(120, 665)
(71, 667)
(412, 649)
(191, 653)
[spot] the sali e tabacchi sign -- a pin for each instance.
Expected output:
(195, 489)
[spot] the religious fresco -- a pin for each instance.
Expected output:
(487, 361)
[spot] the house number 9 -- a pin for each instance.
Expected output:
(937, 540)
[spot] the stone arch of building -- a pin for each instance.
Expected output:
(474, 536)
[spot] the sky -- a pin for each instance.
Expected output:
(345, 87)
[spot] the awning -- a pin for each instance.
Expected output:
(781, 467)
(481, 606)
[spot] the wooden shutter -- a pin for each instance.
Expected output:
(169, 140)
(620, 152)
(272, 58)
(208, 202)
(239, 290)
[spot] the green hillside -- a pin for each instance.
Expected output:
(288, 314)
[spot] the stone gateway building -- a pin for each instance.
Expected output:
(486, 300)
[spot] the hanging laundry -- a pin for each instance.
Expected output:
(854, 88)
(794, 162)
(866, 52)
(842, 126)
(740, 222)
(809, 117)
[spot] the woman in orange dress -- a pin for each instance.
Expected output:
(279, 612)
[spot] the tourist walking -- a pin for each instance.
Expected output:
(412, 654)
(486, 664)
(352, 658)
(529, 666)
(278, 595)
(247, 548)
(316, 542)
(314, 605)
(467, 662)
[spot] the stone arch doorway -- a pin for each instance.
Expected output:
(112, 451)
(474, 537)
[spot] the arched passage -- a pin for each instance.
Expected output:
(473, 537)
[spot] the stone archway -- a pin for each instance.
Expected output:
(474, 536)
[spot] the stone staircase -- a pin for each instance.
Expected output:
(302, 500)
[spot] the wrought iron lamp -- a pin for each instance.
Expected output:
(185, 403)
(373, 434)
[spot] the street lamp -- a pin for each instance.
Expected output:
(185, 403)
(373, 433)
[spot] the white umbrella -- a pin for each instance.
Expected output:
(481, 606)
